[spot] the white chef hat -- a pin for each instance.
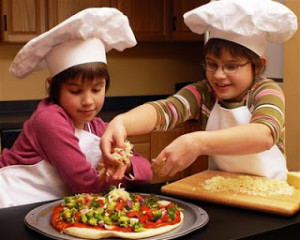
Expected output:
(251, 23)
(85, 37)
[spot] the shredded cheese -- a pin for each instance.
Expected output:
(120, 154)
(123, 155)
(248, 185)
(114, 194)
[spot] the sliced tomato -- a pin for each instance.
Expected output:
(109, 211)
(149, 214)
(77, 216)
(143, 218)
(101, 202)
(167, 206)
(119, 206)
(133, 214)
(144, 208)
(165, 218)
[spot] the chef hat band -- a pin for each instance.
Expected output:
(73, 53)
(258, 46)
(251, 23)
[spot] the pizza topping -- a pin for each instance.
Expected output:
(116, 210)
(117, 193)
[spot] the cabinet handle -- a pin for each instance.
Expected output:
(174, 23)
(5, 22)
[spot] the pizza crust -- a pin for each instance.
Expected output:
(90, 233)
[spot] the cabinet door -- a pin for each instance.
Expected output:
(147, 18)
(58, 11)
(159, 140)
(141, 144)
(22, 20)
(180, 32)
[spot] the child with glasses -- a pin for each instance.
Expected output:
(241, 112)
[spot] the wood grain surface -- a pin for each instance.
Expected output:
(190, 187)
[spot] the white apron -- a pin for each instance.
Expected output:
(270, 163)
(23, 184)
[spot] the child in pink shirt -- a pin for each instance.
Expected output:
(58, 151)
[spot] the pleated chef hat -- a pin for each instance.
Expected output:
(85, 37)
(251, 23)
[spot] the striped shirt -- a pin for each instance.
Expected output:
(265, 101)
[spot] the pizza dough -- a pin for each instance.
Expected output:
(96, 234)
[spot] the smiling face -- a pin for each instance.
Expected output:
(82, 100)
(234, 86)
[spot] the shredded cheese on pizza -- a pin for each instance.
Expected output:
(118, 192)
(248, 185)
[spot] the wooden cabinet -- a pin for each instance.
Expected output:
(150, 145)
(151, 20)
(180, 32)
(59, 10)
(146, 17)
(22, 20)
(159, 20)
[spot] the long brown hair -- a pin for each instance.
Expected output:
(85, 72)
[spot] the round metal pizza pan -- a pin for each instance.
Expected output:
(195, 217)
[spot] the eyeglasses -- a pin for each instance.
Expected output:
(227, 68)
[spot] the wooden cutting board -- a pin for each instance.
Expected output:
(190, 187)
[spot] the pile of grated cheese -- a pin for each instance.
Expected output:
(248, 185)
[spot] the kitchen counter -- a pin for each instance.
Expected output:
(224, 223)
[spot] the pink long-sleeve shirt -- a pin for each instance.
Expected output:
(50, 135)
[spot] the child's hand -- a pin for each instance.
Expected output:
(177, 156)
(114, 136)
(116, 172)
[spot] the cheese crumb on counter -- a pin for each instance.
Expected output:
(248, 185)
(293, 179)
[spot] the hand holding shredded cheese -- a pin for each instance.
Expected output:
(123, 155)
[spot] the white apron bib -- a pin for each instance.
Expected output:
(23, 184)
(270, 163)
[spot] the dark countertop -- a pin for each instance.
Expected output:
(224, 223)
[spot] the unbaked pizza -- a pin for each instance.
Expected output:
(116, 213)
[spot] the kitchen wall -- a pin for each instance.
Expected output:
(291, 88)
(147, 69)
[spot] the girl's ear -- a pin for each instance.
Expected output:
(263, 60)
(49, 80)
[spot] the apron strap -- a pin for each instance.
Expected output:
(89, 127)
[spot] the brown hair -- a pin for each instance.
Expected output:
(85, 72)
(215, 46)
